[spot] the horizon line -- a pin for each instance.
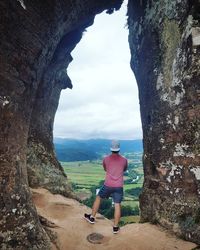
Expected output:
(97, 138)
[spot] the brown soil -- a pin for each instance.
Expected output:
(75, 233)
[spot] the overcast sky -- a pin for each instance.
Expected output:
(104, 100)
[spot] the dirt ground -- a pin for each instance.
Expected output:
(65, 217)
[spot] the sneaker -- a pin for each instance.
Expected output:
(89, 218)
(116, 230)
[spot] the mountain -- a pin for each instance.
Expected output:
(81, 150)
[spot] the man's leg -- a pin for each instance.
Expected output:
(96, 205)
(117, 214)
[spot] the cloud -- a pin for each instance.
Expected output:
(104, 100)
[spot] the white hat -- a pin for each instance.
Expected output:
(115, 146)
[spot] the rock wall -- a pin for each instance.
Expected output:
(44, 170)
(36, 40)
(165, 48)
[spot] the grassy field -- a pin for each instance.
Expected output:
(130, 219)
(84, 174)
(87, 174)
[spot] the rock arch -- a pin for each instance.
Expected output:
(37, 38)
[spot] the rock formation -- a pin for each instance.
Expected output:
(165, 47)
(36, 40)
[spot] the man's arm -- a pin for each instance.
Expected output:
(126, 166)
(104, 165)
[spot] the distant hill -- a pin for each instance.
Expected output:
(82, 150)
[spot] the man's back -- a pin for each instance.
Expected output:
(114, 165)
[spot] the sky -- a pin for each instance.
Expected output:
(104, 100)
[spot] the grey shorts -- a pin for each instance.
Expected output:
(115, 192)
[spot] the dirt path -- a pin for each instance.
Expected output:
(73, 230)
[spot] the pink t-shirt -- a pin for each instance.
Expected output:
(114, 165)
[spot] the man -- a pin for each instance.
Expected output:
(114, 165)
